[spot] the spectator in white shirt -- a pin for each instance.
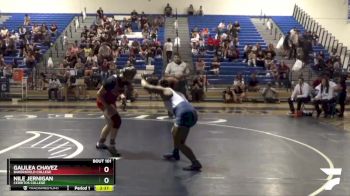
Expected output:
(221, 26)
(301, 94)
(325, 96)
(168, 47)
(178, 69)
(4, 31)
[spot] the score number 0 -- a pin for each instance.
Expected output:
(106, 179)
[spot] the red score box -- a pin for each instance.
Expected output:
(73, 170)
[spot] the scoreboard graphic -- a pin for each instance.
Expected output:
(61, 174)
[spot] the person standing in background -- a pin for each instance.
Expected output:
(27, 20)
(168, 47)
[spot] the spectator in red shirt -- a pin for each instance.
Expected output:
(217, 43)
(210, 43)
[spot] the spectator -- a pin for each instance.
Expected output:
(134, 16)
(22, 31)
(2, 60)
(30, 60)
(219, 54)
(178, 69)
(195, 29)
(260, 59)
(252, 57)
(211, 43)
(99, 13)
(215, 65)
(42, 82)
(229, 26)
(320, 61)
(237, 26)
(253, 83)
(270, 94)
(314, 38)
(228, 96)
(79, 66)
(246, 51)
(7, 71)
(301, 94)
(239, 89)
(202, 48)
(190, 10)
(200, 11)
(197, 88)
(232, 54)
(168, 11)
(273, 72)
(342, 96)
(54, 85)
(283, 75)
(221, 26)
(11, 46)
(287, 44)
(27, 20)
(271, 50)
(200, 66)
(4, 32)
(15, 63)
(294, 38)
(204, 33)
(325, 96)
(91, 59)
(195, 49)
(159, 53)
(268, 61)
(53, 30)
(168, 47)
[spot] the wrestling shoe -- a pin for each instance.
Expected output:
(101, 146)
(114, 152)
(196, 166)
(171, 157)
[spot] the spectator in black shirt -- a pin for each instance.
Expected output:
(228, 96)
(197, 88)
(134, 16)
(100, 13)
(253, 83)
(190, 10)
(200, 11)
(168, 11)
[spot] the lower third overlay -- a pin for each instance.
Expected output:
(61, 174)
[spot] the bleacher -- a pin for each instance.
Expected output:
(16, 20)
(140, 64)
(286, 23)
(248, 36)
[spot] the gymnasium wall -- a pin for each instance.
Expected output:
(332, 15)
(225, 7)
